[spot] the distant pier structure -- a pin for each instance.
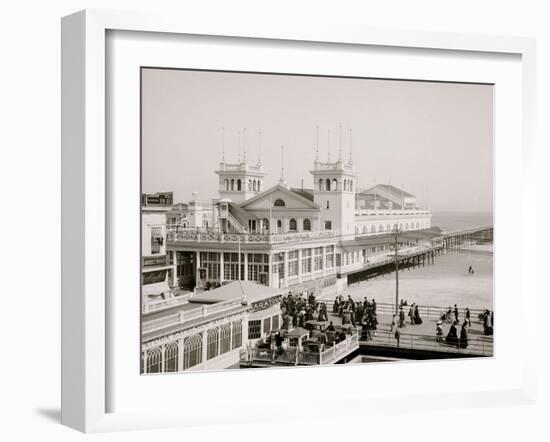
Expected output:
(457, 238)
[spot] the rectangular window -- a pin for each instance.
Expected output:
(275, 322)
(306, 261)
(328, 225)
(156, 240)
(329, 257)
(293, 263)
(254, 329)
(338, 260)
(257, 263)
(318, 259)
(267, 325)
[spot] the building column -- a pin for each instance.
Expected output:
(245, 266)
(270, 270)
(204, 346)
(285, 268)
(222, 277)
(198, 264)
(174, 269)
(299, 265)
(180, 354)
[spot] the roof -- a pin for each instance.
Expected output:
(282, 189)
(374, 240)
(297, 332)
(388, 188)
(236, 290)
(305, 193)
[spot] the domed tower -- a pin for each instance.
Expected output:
(334, 185)
(240, 181)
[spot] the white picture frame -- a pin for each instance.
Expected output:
(85, 206)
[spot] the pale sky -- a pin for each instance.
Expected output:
(434, 139)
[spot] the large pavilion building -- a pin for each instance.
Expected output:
(285, 237)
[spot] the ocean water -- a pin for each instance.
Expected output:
(460, 220)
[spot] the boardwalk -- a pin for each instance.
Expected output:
(422, 336)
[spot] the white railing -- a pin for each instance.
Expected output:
(385, 212)
(153, 306)
(182, 316)
(195, 235)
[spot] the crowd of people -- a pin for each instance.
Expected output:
(357, 313)
(299, 308)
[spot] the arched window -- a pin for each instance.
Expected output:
(226, 184)
(279, 225)
(232, 184)
(321, 184)
(259, 190)
(254, 185)
(153, 360)
(238, 184)
(225, 338)
(400, 226)
(345, 185)
(279, 203)
(212, 343)
(334, 184)
(192, 351)
(307, 225)
(249, 184)
(327, 184)
(171, 357)
(237, 334)
(292, 224)
(373, 229)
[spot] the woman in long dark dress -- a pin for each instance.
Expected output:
(463, 337)
(417, 318)
(452, 337)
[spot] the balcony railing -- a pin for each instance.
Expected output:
(392, 212)
(192, 235)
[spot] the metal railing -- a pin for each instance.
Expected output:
(329, 355)
(425, 311)
(475, 346)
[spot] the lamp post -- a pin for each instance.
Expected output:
(396, 258)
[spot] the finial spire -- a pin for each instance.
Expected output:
(244, 145)
(350, 147)
(340, 150)
(317, 144)
(239, 150)
(223, 144)
(282, 181)
(328, 145)
(260, 148)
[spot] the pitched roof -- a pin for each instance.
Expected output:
(306, 193)
(282, 189)
(388, 188)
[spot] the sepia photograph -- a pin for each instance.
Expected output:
(297, 220)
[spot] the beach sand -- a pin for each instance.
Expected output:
(444, 283)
